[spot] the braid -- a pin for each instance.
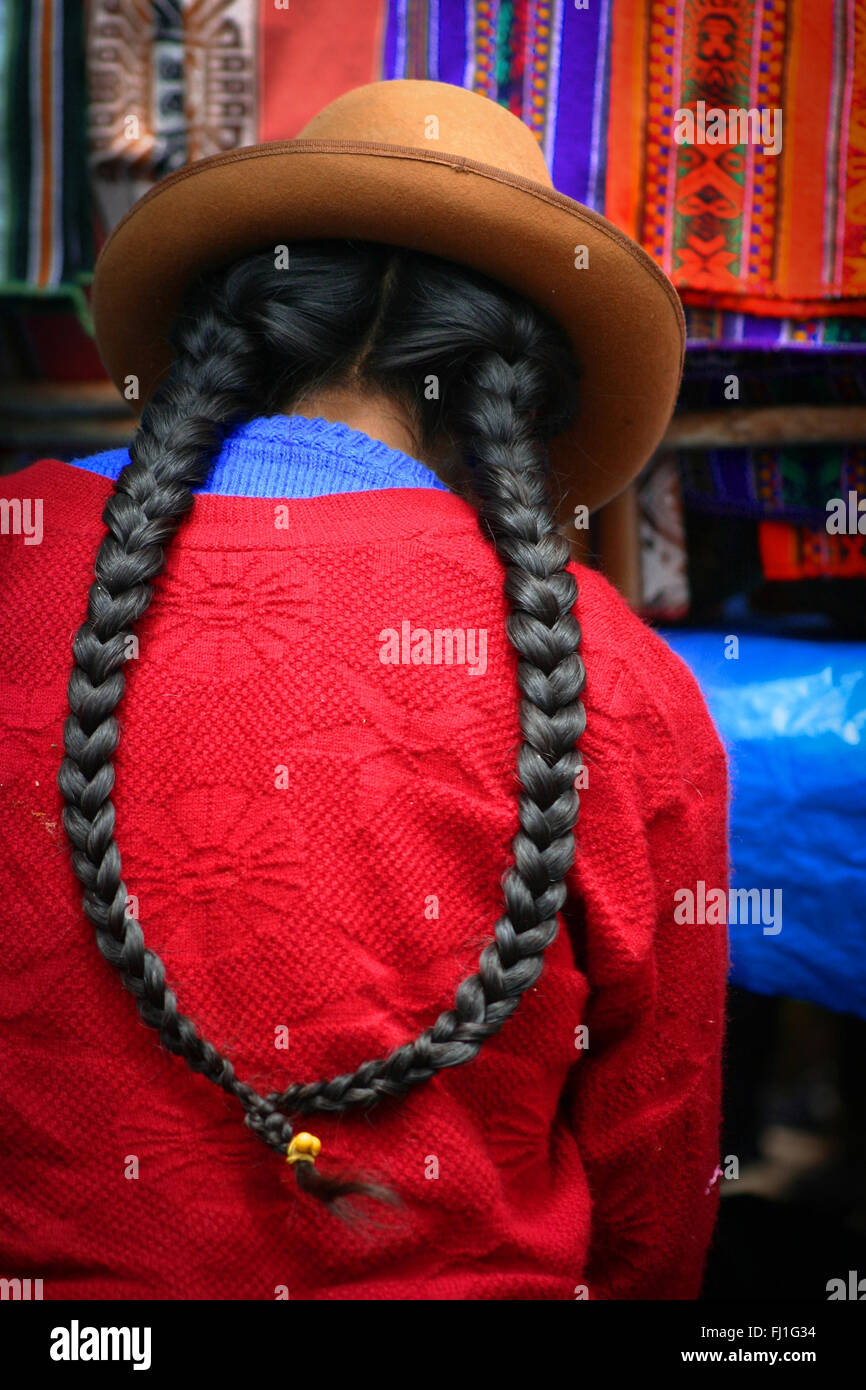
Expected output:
(209, 384)
(212, 384)
(246, 338)
(493, 419)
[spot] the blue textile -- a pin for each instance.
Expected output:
(792, 715)
(292, 456)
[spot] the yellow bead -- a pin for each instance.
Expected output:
(304, 1145)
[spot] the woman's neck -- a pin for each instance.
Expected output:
(384, 418)
(374, 413)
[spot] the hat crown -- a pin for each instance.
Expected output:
(433, 117)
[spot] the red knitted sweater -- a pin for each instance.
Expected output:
(314, 840)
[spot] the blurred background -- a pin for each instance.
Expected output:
(722, 542)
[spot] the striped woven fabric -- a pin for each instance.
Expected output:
(766, 250)
(46, 246)
(774, 223)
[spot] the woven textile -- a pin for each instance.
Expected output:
(737, 226)
(45, 234)
(785, 484)
(743, 234)
(810, 552)
(172, 81)
(766, 250)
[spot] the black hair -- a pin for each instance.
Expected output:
(249, 340)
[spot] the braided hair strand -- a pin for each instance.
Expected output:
(248, 340)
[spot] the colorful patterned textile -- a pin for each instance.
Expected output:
(45, 240)
(784, 487)
(767, 250)
(737, 225)
(167, 85)
(176, 80)
(803, 552)
(744, 234)
(786, 484)
(545, 60)
(712, 328)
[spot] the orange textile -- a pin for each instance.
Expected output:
(739, 130)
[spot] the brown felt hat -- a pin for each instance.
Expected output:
(437, 168)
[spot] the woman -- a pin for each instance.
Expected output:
(346, 762)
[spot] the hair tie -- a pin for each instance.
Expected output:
(304, 1148)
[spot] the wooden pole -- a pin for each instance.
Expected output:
(767, 425)
(619, 545)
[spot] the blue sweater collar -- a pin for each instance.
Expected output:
(293, 456)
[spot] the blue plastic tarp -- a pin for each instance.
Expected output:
(792, 715)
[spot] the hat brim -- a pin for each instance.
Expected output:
(621, 312)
